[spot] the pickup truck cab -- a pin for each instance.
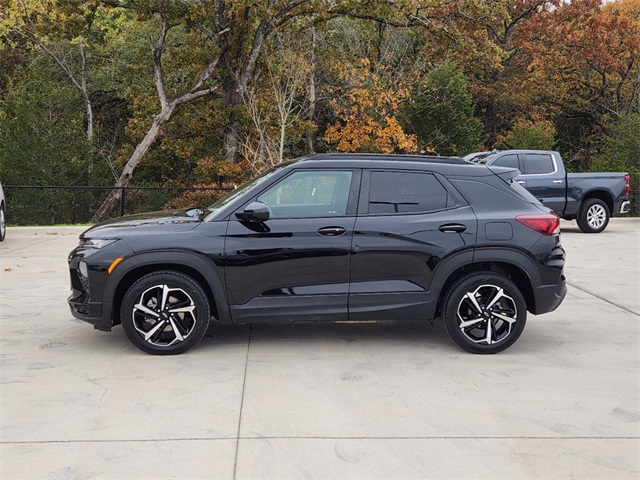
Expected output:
(589, 198)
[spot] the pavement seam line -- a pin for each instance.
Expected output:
(244, 383)
(626, 309)
(210, 439)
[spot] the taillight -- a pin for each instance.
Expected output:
(627, 187)
(546, 224)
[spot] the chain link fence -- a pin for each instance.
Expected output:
(58, 205)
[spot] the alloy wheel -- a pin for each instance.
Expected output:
(164, 315)
(486, 315)
(596, 216)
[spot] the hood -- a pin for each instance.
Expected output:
(170, 221)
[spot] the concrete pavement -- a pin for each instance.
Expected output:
(323, 401)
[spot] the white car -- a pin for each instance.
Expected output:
(3, 224)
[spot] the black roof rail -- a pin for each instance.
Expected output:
(383, 157)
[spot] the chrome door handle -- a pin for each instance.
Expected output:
(557, 181)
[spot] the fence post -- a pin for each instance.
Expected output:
(122, 190)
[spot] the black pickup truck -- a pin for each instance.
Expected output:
(589, 198)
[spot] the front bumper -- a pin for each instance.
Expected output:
(88, 280)
(90, 312)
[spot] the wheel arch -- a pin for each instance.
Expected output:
(603, 195)
(191, 264)
(510, 263)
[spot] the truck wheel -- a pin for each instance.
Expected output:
(3, 224)
(594, 216)
(165, 313)
(484, 312)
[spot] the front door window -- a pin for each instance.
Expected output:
(309, 194)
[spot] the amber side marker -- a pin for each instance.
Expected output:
(114, 264)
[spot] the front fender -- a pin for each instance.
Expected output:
(164, 259)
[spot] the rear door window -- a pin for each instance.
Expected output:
(405, 192)
(538, 164)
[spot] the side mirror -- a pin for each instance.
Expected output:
(254, 212)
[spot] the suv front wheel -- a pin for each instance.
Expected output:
(484, 312)
(165, 313)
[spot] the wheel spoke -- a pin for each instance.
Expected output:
(157, 328)
(499, 294)
(470, 323)
(188, 309)
(146, 310)
(489, 337)
(474, 302)
(506, 318)
(176, 331)
(165, 295)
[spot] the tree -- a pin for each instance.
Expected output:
(365, 110)
(442, 113)
(621, 149)
(527, 134)
(67, 32)
(36, 113)
(590, 54)
(274, 103)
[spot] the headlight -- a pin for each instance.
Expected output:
(95, 242)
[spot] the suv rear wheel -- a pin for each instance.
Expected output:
(484, 312)
(165, 313)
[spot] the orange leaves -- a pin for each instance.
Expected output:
(587, 53)
(365, 106)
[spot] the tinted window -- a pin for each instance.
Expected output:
(507, 161)
(538, 163)
(405, 192)
(309, 194)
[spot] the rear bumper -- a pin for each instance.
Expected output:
(625, 207)
(549, 297)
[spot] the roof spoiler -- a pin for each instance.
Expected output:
(505, 173)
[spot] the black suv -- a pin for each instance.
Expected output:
(330, 237)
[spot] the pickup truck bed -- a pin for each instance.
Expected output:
(590, 198)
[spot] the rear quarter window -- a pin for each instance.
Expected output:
(498, 197)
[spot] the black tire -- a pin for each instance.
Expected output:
(594, 216)
(170, 328)
(3, 223)
(480, 310)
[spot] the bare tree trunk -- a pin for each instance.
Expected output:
(311, 111)
(231, 140)
(125, 177)
(234, 91)
(84, 90)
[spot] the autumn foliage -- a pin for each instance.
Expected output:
(166, 93)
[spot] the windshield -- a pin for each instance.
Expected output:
(233, 194)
